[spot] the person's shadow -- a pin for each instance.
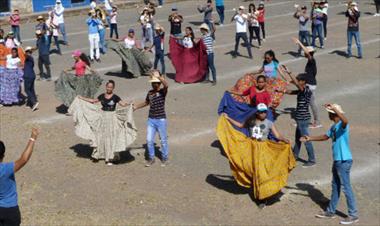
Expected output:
(315, 195)
(226, 183)
(85, 151)
(339, 53)
(292, 53)
(218, 145)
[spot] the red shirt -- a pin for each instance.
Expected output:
(257, 98)
(80, 68)
(261, 17)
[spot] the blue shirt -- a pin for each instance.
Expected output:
(219, 2)
(92, 25)
(158, 42)
(270, 70)
(29, 68)
(43, 45)
(8, 190)
(340, 142)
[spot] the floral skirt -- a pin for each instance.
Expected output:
(10, 82)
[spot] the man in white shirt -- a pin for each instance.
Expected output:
(241, 31)
(58, 18)
(108, 7)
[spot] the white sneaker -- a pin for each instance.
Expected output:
(109, 164)
(160, 6)
(35, 106)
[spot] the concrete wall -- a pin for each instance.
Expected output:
(25, 6)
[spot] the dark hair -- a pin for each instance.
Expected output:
(251, 121)
(249, 8)
(261, 77)
(209, 1)
(111, 82)
(2, 150)
(191, 33)
(85, 59)
(15, 49)
(302, 76)
(271, 54)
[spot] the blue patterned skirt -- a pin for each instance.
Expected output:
(10, 81)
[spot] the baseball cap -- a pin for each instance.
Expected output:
(262, 107)
(131, 30)
(76, 53)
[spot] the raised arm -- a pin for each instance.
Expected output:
(25, 156)
(163, 81)
(307, 53)
(339, 114)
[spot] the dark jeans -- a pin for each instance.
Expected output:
(325, 19)
(211, 66)
(317, 29)
(56, 42)
(113, 28)
(160, 56)
(303, 130)
(30, 92)
(262, 26)
(377, 3)
(44, 60)
(242, 35)
(220, 11)
(16, 32)
(10, 216)
(255, 30)
(160, 2)
(341, 178)
(304, 37)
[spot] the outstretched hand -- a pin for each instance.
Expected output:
(305, 139)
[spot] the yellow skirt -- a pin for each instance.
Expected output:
(265, 166)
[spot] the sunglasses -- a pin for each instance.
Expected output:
(261, 112)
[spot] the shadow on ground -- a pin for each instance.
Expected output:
(85, 151)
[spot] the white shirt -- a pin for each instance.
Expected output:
(241, 23)
(58, 15)
(187, 43)
(129, 43)
(113, 18)
(52, 29)
(93, 5)
(146, 21)
(107, 4)
(12, 63)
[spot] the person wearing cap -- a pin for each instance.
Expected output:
(240, 19)
(317, 28)
(303, 33)
(353, 15)
(11, 41)
(175, 20)
(157, 121)
(52, 31)
(261, 18)
(219, 5)
(81, 64)
(339, 133)
(14, 21)
(59, 19)
(109, 8)
(208, 41)
(113, 22)
(302, 117)
(158, 43)
(311, 72)
(29, 79)
(9, 207)
(41, 26)
(42, 44)
(93, 35)
(93, 4)
(207, 10)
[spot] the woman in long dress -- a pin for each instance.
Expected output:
(109, 128)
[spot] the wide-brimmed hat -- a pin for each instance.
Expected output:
(40, 18)
(76, 53)
(154, 75)
(354, 3)
(204, 26)
(10, 33)
(337, 107)
(241, 7)
(159, 27)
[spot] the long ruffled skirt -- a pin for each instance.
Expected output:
(10, 81)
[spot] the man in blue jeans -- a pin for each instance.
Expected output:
(340, 136)
(209, 43)
(353, 15)
(158, 44)
(157, 117)
(220, 10)
(302, 117)
(317, 17)
(303, 20)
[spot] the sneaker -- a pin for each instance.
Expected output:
(322, 47)
(109, 164)
(315, 126)
(308, 164)
(35, 106)
(263, 39)
(221, 25)
(160, 6)
(98, 60)
(149, 162)
(325, 39)
(164, 162)
(349, 220)
(325, 214)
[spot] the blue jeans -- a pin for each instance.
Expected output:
(55, 41)
(341, 177)
(355, 34)
(160, 126)
(102, 41)
(160, 2)
(160, 56)
(242, 35)
(303, 130)
(220, 11)
(318, 29)
(211, 66)
(147, 36)
(16, 32)
(62, 30)
(304, 37)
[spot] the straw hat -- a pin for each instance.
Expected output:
(154, 75)
(241, 7)
(28, 48)
(337, 107)
(40, 18)
(159, 27)
(204, 26)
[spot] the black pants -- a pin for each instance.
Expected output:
(30, 92)
(377, 3)
(242, 35)
(262, 26)
(44, 60)
(114, 29)
(255, 30)
(10, 216)
(325, 19)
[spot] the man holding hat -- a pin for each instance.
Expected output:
(340, 136)
(175, 20)
(41, 26)
(158, 43)
(93, 35)
(241, 31)
(208, 41)
(207, 10)
(353, 15)
(303, 20)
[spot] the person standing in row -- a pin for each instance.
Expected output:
(303, 33)
(9, 209)
(14, 21)
(240, 19)
(52, 31)
(208, 41)
(175, 20)
(339, 133)
(261, 18)
(325, 7)
(58, 15)
(113, 23)
(219, 4)
(353, 15)
(317, 28)
(157, 117)
(158, 44)
(253, 24)
(41, 25)
(43, 55)
(93, 35)
(207, 10)
(109, 8)
(29, 78)
(377, 4)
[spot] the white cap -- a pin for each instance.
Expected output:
(262, 107)
(241, 7)
(28, 48)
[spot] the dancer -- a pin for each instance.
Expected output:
(157, 117)
(257, 94)
(325, 7)
(207, 10)
(110, 130)
(353, 15)
(9, 209)
(240, 19)
(377, 4)
(175, 20)
(208, 41)
(261, 18)
(58, 15)
(146, 21)
(101, 31)
(29, 78)
(14, 21)
(271, 66)
(253, 24)
(11, 41)
(113, 22)
(303, 33)
(317, 28)
(41, 25)
(158, 43)
(93, 35)
(341, 153)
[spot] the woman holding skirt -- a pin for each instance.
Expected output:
(110, 129)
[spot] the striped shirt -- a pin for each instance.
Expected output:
(209, 43)
(303, 102)
(156, 100)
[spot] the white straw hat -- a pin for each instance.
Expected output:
(154, 75)
(204, 26)
(337, 107)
